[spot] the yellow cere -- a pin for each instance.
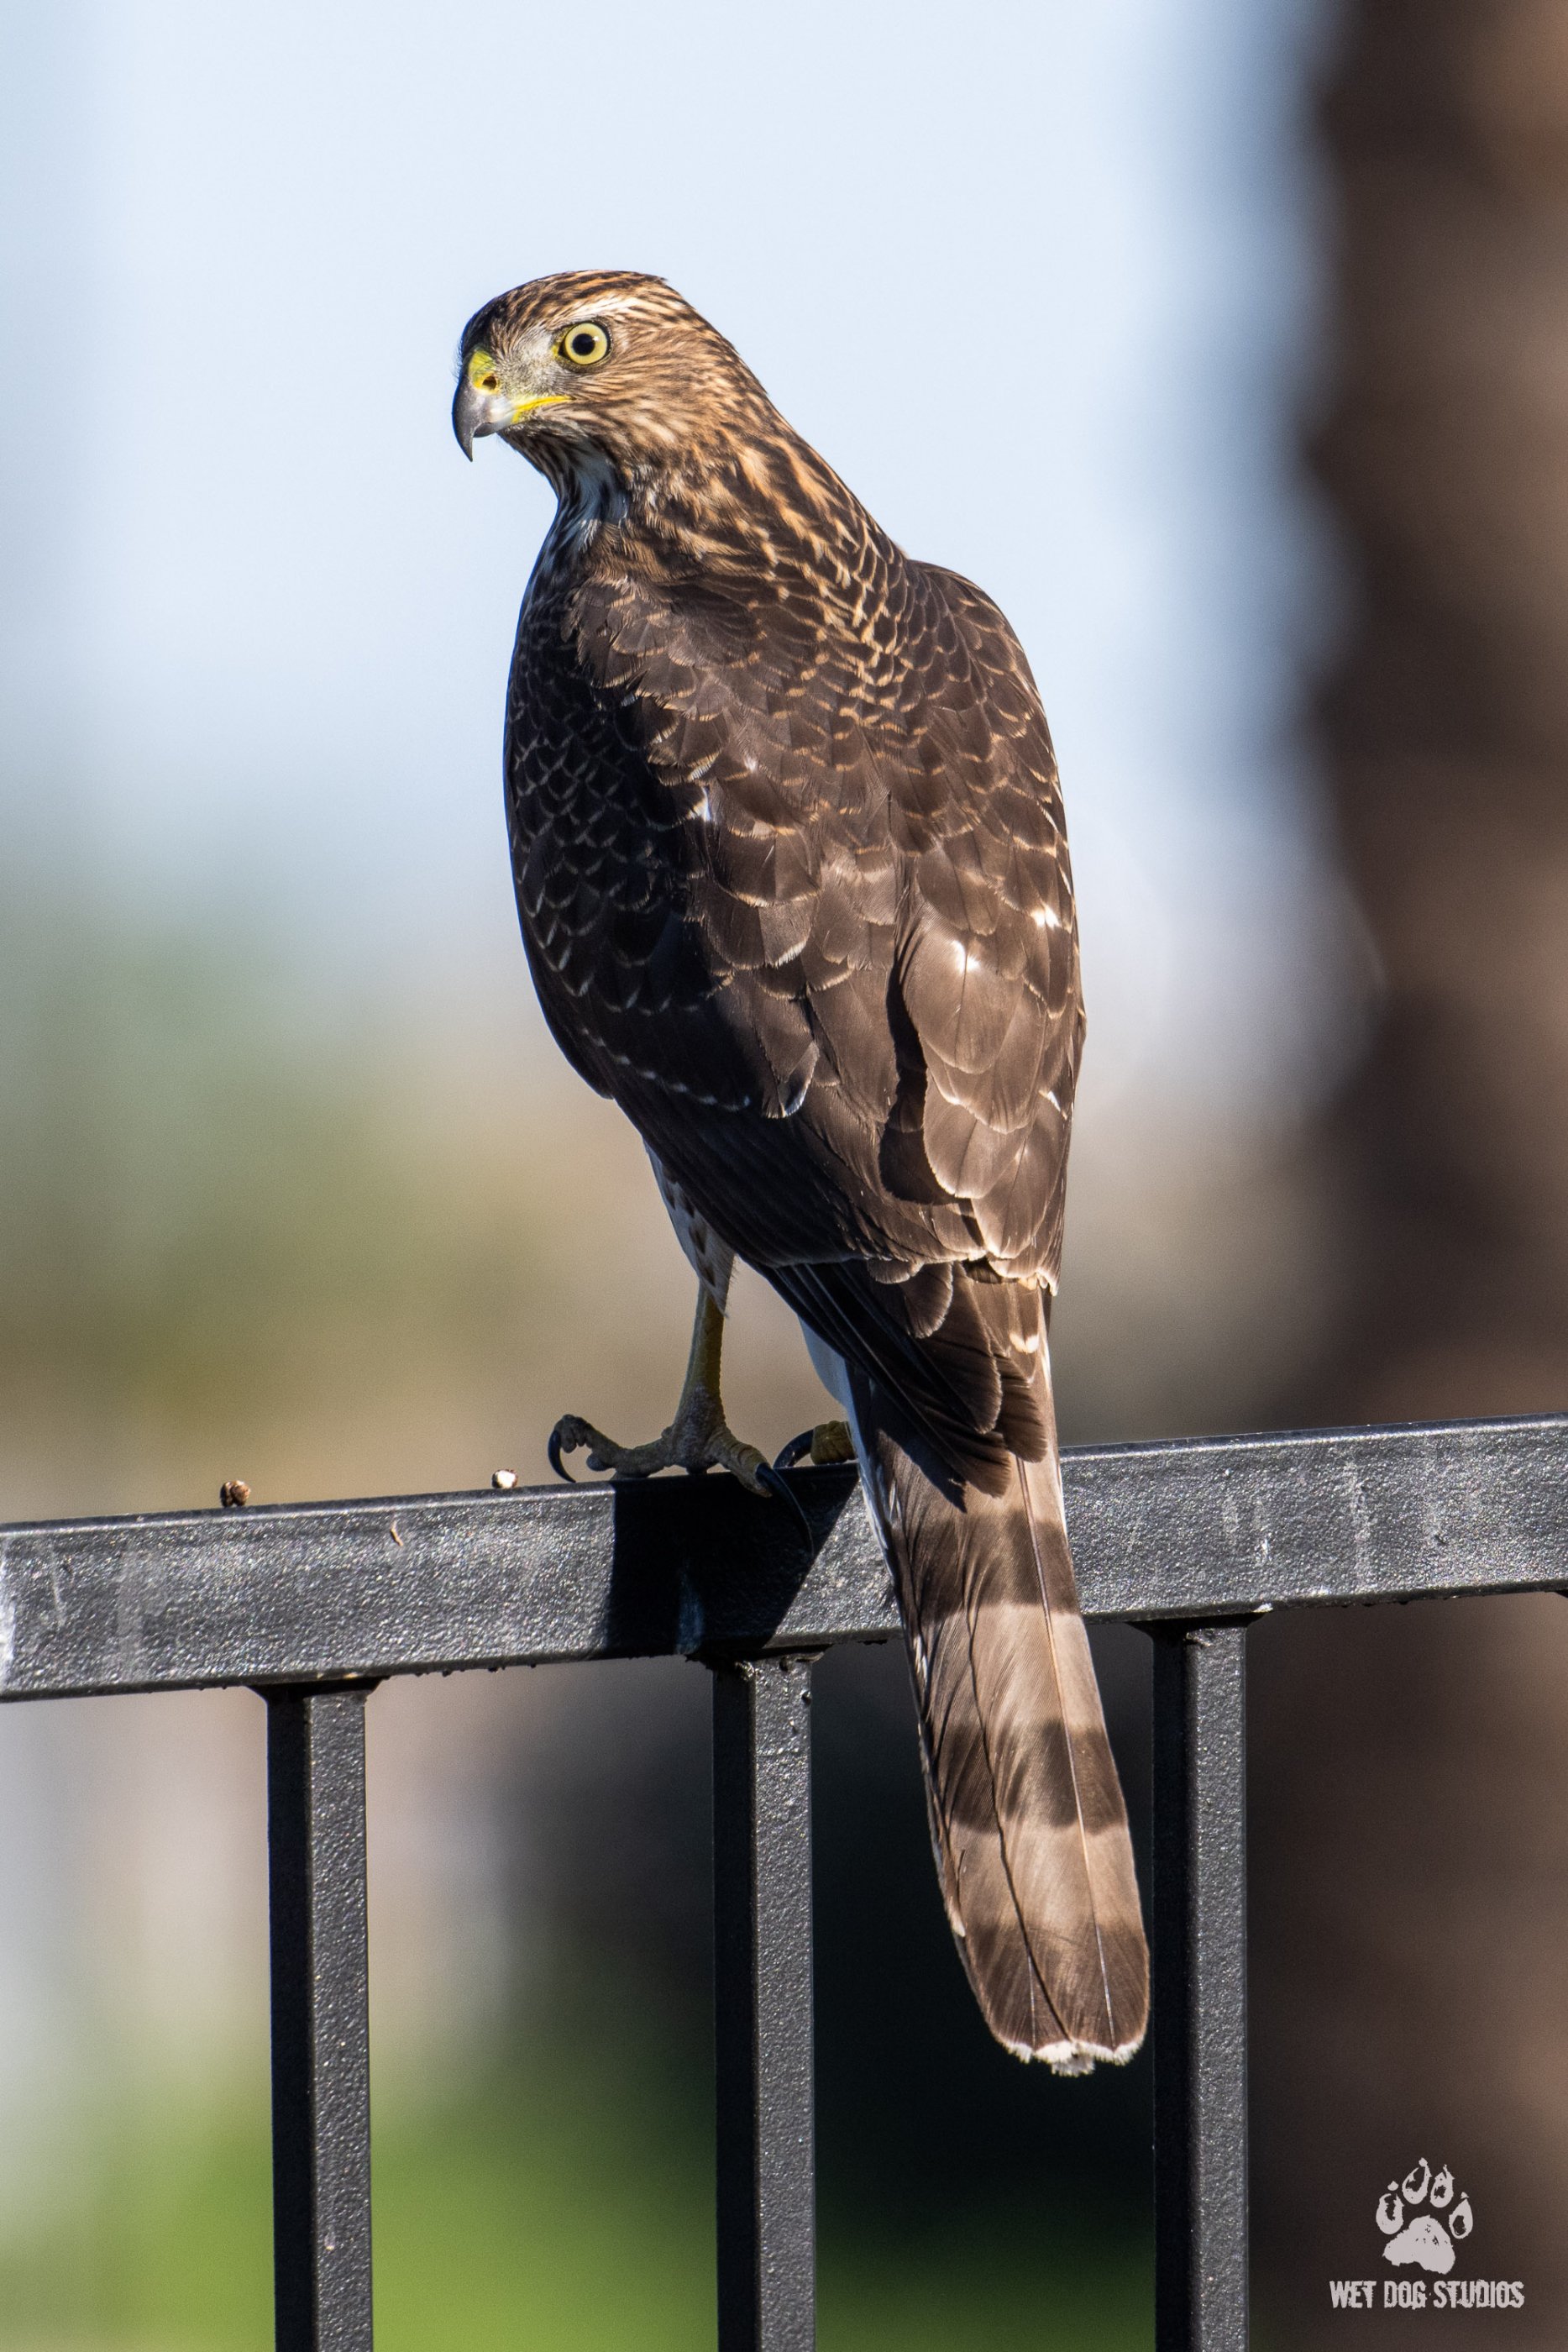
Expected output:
(484, 373)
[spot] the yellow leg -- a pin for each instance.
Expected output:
(697, 1439)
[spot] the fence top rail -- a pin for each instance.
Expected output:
(1201, 1529)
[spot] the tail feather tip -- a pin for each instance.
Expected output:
(1075, 2057)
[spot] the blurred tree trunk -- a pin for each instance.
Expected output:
(1411, 1786)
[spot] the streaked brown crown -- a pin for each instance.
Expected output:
(671, 389)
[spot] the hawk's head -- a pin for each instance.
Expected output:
(603, 375)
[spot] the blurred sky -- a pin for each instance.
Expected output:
(1036, 279)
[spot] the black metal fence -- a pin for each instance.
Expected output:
(315, 1605)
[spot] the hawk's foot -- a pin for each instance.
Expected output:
(828, 1442)
(699, 1439)
(696, 1441)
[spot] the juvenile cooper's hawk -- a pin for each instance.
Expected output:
(789, 852)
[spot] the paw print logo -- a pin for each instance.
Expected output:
(1415, 2236)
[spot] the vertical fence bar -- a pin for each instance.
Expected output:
(1200, 1989)
(320, 2052)
(762, 2005)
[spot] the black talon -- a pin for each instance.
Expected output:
(795, 1451)
(556, 1463)
(783, 1493)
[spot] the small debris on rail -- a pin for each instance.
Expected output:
(504, 1479)
(234, 1493)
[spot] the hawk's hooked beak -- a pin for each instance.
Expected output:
(475, 413)
(481, 406)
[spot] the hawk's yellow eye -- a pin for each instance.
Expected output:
(584, 345)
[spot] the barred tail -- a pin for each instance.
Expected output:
(1027, 1815)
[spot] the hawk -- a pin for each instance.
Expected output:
(789, 859)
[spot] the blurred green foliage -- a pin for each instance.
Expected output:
(203, 1180)
(566, 2208)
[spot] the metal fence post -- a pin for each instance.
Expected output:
(1200, 1989)
(321, 2052)
(762, 2005)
